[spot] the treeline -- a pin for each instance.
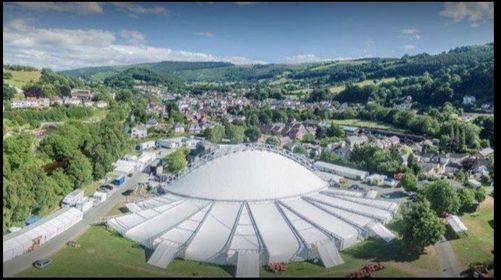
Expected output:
(446, 85)
(128, 78)
(34, 117)
(50, 84)
(19, 67)
(35, 180)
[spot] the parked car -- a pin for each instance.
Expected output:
(43, 263)
(106, 188)
(386, 195)
(355, 187)
(127, 192)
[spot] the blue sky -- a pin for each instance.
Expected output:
(72, 35)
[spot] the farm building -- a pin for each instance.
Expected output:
(31, 237)
(249, 205)
(347, 172)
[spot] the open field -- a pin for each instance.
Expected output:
(104, 253)
(20, 78)
(477, 245)
(338, 89)
(369, 124)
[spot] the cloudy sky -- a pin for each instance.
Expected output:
(71, 35)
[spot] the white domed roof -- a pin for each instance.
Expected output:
(248, 176)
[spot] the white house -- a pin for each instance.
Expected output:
(101, 104)
(469, 100)
(139, 131)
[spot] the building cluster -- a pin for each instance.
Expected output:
(79, 97)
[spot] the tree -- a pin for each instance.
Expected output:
(214, 134)
(409, 182)
(480, 194)
(299, 149)
(335, 130)
(421, 226)
(466, 199)
(309, 138)
(252, 133)
(273, 140)
(235, 133)
(442, 197)
(176, 161)
(79, 170)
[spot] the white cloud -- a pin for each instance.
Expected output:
(69, 7)
(305, 58)
(411, 33)
(205, 34)
(134, 9)
(409, 47)
(312, 58)
(60, 49)
(132, 36)
(473, 12)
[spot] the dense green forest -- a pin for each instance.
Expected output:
(36, 177)
(127, 78)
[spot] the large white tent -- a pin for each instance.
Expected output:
(245, 205)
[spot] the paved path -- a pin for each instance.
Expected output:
(22, 262)
(447, 259)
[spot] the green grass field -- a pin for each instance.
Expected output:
(338, 89)
(369, 124)
(20, 78)
(104, 253)
(477, 245)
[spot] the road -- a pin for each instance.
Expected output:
(20, 263)
(447, 259)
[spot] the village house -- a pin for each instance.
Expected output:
(56, 100)
(101, 104)
(485, 153)
(82, 94)
(356, 140)
(469, 100)
(72, 101)
(151, 122)
(88, 103)
(139, 131)
(178, 128)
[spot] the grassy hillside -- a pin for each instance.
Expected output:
(20, 78)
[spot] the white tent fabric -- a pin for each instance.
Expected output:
(20, 242)
(245, 237)
(260, 175)
(335, 191)
(132, 207)
(329, 254)
(236, 201)
(362, 209)
(214, 233)
(163, 255)
(279, 240)
(456, 224)
(377, 203)
(344, 232)
(371, 194)
(381, 231)
(125, 166)
(248, 264)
